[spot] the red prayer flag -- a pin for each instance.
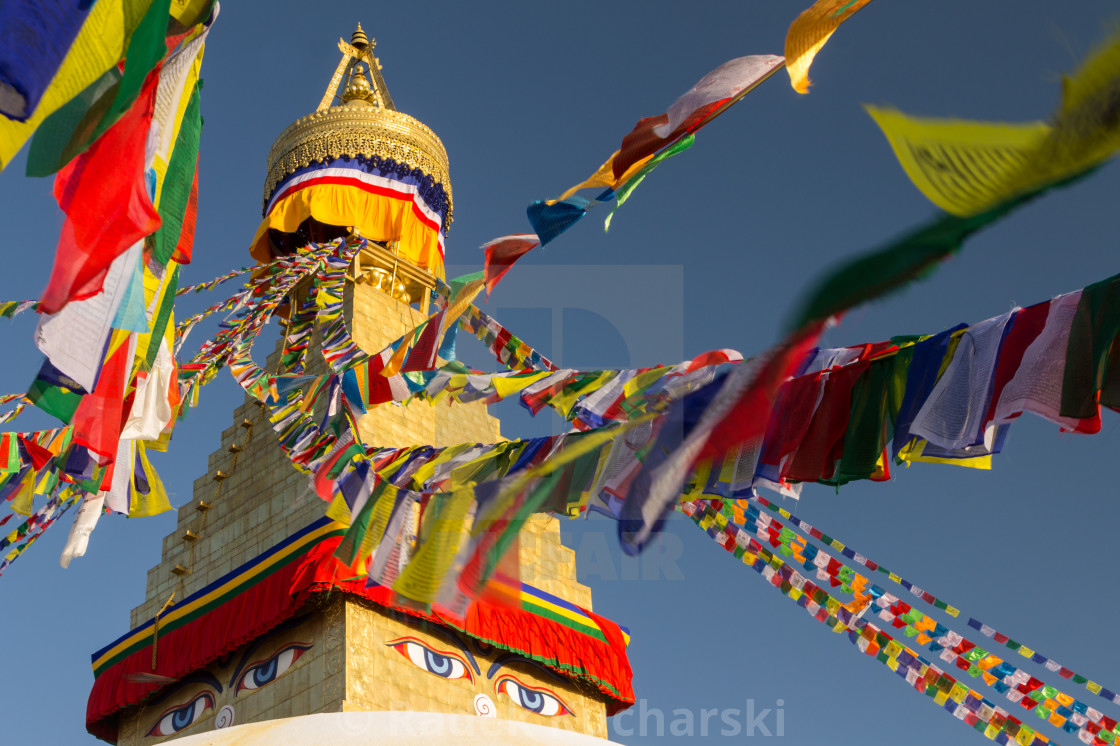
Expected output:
(715, 91)
(423, 354)
(749, 416)
(183, 249)
(501, 253)
(105, 198)
(100, 415)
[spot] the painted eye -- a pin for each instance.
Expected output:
(447, 665)
(267, 671)
(540, 701)
(180, 718)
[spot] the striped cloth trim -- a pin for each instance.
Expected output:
(533, 600)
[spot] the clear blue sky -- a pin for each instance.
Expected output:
(712, 251)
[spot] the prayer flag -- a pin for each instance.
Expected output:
(107, 206)
(501, 253)
(35, 36)
(731, 79)
(962, 167)
(550, 220)
(55, 393)
(967, 167)
(629, 186)
(179, 184)
(809, 32)
(98, 419)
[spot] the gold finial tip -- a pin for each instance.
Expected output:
(359, 38)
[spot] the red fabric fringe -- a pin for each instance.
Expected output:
(282, 594)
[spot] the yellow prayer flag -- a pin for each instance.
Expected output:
(1086, 131)
(913, 452)
(505, 386)
(22, 503)
(190, 12)
(642, 381)
(962, 167)
(339, 510)
(439, 541)
(396, 361)
(604, 176)
(967, 167)
(155, 500)
(809, 32)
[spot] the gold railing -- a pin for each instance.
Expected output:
(380, 266)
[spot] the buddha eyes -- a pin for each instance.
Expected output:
(446, 665)
(179, 718)
(539, 701)
(450, 665)
(267, 671)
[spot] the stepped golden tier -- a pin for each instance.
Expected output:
(250, 623)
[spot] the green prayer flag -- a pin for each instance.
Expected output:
(159, 326)
(866, 436)
(623, 192)
(908, 258)
(1089, 352)
(178, 181)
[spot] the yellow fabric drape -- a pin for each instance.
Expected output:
(376, 216)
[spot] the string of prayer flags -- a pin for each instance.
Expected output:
(808, 34)
(30, 530)
(11, 309)
(38, 33)
(964, 702)
(833, 423)
(853, 556)
(711, 96)
(202, 286)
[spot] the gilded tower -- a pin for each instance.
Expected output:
(247, 618)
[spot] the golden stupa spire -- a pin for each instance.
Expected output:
(351, 68)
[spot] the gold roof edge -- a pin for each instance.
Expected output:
(362, 120)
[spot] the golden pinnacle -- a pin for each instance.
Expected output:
(359, 38)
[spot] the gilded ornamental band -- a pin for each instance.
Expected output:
(357, 130)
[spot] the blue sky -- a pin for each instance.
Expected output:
(712, 251)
